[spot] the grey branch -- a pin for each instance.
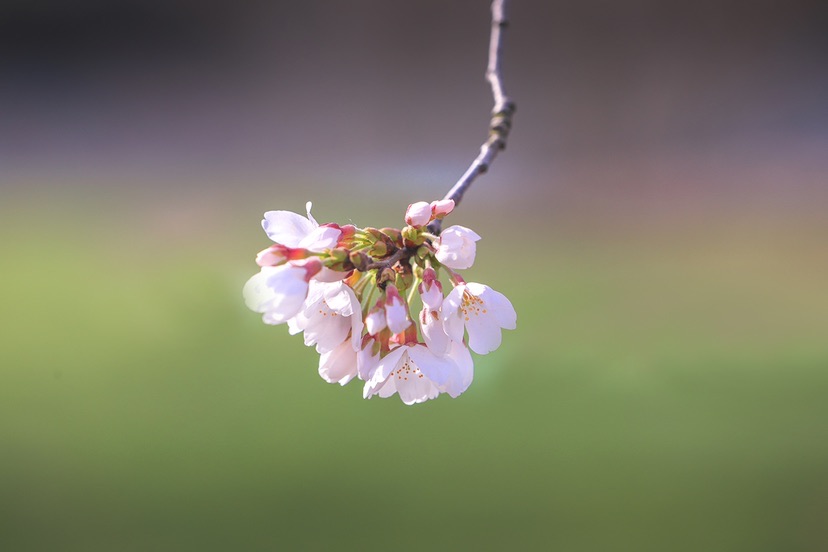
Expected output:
(501, 121)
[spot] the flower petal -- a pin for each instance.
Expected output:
(431, 326)
(320, 239)
(286, 227)
(484, 334)
(338, 365)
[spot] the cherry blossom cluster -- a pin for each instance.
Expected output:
(371, 300)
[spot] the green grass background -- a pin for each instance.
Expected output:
(665, 390)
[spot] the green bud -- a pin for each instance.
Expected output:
(359, 259)
(394, 235)
(379, 249)
(339, 254)
(387, 275)
(413, 235)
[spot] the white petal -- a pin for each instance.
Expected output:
(418, 214)
(434, 335)
(456, 247)
(338, 365)
(503, 310)
(320, 239)
(308, 206)
(256, 292)
(484, 333)
(432, 296)
(327, 275)
(367, 361)
(286, 227)
(452, 317)
(396, 316)
(278, 292)
(437, 369)
(465, 370)
(384, 368)
(415, 389)
(375, 321)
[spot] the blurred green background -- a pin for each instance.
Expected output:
(658, 222)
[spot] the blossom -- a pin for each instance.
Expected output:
(278, 292)
(293, 230)
(456, 247)
(417, 374)
(345, 288)
(329, 313)
(481, 311)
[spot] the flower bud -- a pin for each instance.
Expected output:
(359, 259)
(394, 235)
(396, 313)
(412, 236)
(418, 214)
(431, 290)
(272, 256)
(441, 208)
(375, 319)
(386, 275)
(379, 249)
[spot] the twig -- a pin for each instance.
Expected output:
(390, 261)
(501, 122)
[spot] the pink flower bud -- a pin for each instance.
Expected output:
(431, 290)
(375, 319)
(272, 256)
(396, 313)
(441, 208)
(418, 214)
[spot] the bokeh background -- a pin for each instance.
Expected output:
(658, 220)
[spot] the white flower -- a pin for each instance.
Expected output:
(456, 247)
(396, 311)
(277, 292)
(339, 365)
(295, 231)
(417, 374)
(330, 312)
(418, 214)
(480, 310)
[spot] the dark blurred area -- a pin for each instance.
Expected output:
(632, 99)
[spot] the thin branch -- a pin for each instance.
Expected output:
(389, 262)
(501, 121)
